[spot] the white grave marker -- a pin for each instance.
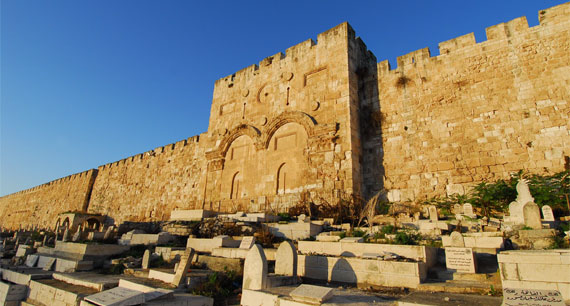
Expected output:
(146, 259)
(255, 269)
(183, 265)
(468, 210)
(460, 259)
(247, 242)
(433, 213)
(286, 259)
(32, 260)
(547, 213)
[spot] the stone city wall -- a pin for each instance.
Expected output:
(148, 186)
(478, 111)
(324, 119)
(40, 205)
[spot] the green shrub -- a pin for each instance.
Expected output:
(358, 233)
(406, 238)
(388, 229)
(558, 242)
(219, 286)
(564, 226)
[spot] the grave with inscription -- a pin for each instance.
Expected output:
(460, 259)
(547, 213)
(532, 297)
(468, 211)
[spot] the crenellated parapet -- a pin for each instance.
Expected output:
(58, 182)
(324, 119)
(478, 111)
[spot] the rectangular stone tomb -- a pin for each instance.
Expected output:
(312, 294)
(11, 292)
(460, 259)
(117, 296)
(526, 297)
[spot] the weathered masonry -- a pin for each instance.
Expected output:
(325, 120)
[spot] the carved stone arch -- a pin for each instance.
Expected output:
(238, 131)
(305, 120)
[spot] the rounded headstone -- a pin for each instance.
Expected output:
(286, 259)
(531, 215)
(255, 269)
(457, 240)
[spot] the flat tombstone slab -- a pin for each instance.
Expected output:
(460, 259)
(528, 297)
(247, 242)
(286, 259)
(146, 259)
(312, 294)
(433, 213)
(547, 213)
(531, 215)
(32, 260)
(117, 296)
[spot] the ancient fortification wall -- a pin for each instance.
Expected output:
(325, 119)
(41, 205)
(148, 186)
(478, 111)
(285, 128)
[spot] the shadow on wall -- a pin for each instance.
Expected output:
(343, 272)
(370, 120)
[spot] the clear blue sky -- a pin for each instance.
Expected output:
(85, 83)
